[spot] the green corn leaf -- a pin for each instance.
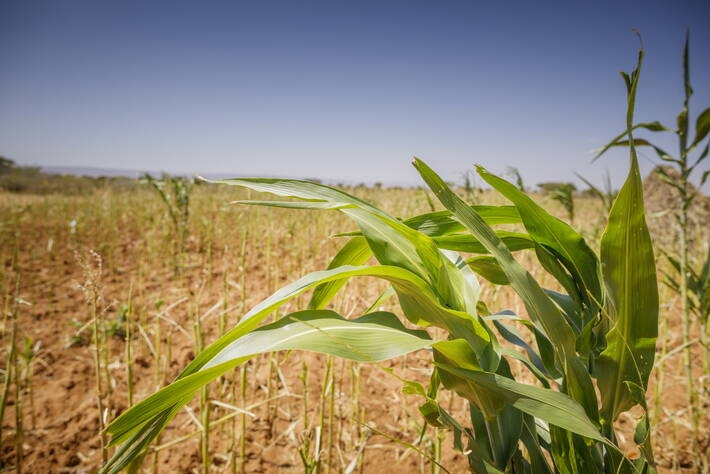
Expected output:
(630, 273)
(488, 268)
(130, 454)
(702, 126)
(441, 223)
(555, 267)
(467, 243)
(629, 270)
(553, 407)
(662, 154)
(652, 126)
(434, 224)
(168, 400)
(574, 455)
(309, 205)
(540, 307)
(305, 190)
(393, 243)
(546, 351)
(354, 252)
(372, 337)
(532, 442)
(561, 239)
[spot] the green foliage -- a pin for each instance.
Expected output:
(6, 165)
(31, 180)
(599, 330)
(175, 191)
(514, 174)
(562, 193)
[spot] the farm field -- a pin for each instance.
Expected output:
(107, 270)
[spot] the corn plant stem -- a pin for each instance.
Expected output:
(8, 378)
(30, 390)
(365, 436)
(341, 415)
(129, 345)
(243, 433)
(205, 439)
(233, 426)
(5, 307)
(204, 394)
(305, 448)
(108, 395)
(685, 200)
(684, 293)
(18, 403)
(304, 381)
(243, 368)
(158, 352)
(11, 362)
(356, 431)
(97, 369)
(705, 343)
(331, 414)
(322, 404)
(268, 358)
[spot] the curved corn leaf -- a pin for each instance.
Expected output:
(440, 223)
(662, 154)
(702, 126)
(372, 337)
(544, 359)
(354, 252)
(617, 140)
(369, 338)
(309, 205)
(488, 268)
(553, 407)
(467, 243)
(305, 190)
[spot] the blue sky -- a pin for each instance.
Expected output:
(342, 91)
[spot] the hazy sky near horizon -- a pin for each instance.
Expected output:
(345, 91)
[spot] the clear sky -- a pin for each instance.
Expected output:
(346, 91)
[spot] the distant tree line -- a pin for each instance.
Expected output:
(31, 180)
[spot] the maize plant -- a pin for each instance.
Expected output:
(597, 331)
